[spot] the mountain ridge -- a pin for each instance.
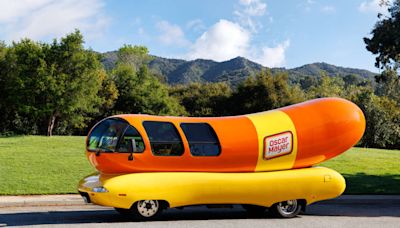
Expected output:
(179, 71)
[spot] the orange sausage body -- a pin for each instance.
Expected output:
(320, 129)
(325, 128)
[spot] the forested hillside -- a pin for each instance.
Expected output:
(234, 71)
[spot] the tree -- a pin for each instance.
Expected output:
(353, 79)
(204, 99)
(385, 41)
(50, 84)
(25, 77)
(140, 91)
(382, 119)
(133, 55)
(306, 82)
(3, 95)
(109, 94)
(389, 85)
(327, 87)
(77, 76)
(383, 111)
(264, 92)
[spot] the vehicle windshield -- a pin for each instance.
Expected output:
(115, 135)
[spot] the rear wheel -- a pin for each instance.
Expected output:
(254, 209)
(286, 209)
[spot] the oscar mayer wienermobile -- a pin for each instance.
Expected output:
(263, 160)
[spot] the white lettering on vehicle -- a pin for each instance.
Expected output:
(278, 145)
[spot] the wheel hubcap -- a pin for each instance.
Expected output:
(287, 207)
(147, 208)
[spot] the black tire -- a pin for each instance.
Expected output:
(286, 209)
(124, 211)
(254, 209)
(147, 209)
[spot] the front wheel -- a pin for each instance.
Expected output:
(124, 211)
(286, 209)
(146, 209)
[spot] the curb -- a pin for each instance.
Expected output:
(364, 199)
(41, 200)
(76, 200)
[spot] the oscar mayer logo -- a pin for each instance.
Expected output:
(278, 145)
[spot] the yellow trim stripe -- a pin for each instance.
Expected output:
(268, 124)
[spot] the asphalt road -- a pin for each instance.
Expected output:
(323, 214)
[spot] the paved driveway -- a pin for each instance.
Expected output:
(336, 213)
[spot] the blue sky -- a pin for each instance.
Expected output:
(274, 33)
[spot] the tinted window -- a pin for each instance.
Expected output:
(164, 138)
(131, 139)
(114, 135)
(202, 139)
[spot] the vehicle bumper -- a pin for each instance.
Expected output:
(109, 198)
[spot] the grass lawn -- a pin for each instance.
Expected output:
(368, 171)
(42, 165)
(54, 165)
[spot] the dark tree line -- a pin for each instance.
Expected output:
(63, 88)
(42, 84)
(265, 91)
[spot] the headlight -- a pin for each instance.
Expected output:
(99, 189)
(92, 179)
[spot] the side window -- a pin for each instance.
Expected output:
(202, 139)
(114, 135)
(164, 138)
(131, 137)
(105, 135)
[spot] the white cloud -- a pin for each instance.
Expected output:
(249, 9)
(12, 10)
(272, 56)
(254, 7)
(38, 19)
(373, 6)
(224, 40)
(171, 34)
(196, 25)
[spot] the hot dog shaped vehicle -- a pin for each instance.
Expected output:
(147, 163)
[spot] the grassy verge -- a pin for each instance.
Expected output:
(54, 165)
(369, 171)
(42, 165)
